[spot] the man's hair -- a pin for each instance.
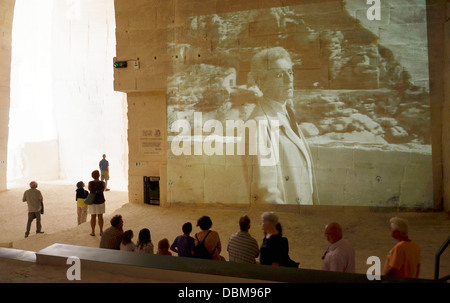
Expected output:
(204, 223)
(33, 184)
(399, 224)
(244, 223)
(187, 228)
(261, 60)
(115, 220)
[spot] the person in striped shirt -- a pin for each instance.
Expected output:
(242, 247)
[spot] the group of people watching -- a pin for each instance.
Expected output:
(402, 261)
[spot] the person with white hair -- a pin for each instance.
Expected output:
(35, 201)
(274, 248)
(404, 258)
(283, 174)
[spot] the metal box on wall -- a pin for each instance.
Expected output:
(151, 190)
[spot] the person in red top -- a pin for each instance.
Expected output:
(404, 258)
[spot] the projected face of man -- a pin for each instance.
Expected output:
(277, 83)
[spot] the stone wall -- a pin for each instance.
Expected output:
(446, 111)
(6, 18)
(362, 94)
(64, 111)
(90, 116)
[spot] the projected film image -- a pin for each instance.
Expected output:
(314, 104)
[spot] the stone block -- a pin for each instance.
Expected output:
(416, 172)
(331, 194)
(371, 194)
(331, 176)
(185, 183)
(135, 188)
(225, 185)
(417, 195)
(142, 15)
(149, 39)
(392, 34)
(408, 14)
(140, 167)
(376, 156)
(152, 82)
(165, 14)
(187, 8)
(385, 175)
(123, 83)
(339, 157)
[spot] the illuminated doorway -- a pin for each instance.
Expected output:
(64, 112)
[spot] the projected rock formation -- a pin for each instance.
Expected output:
(359, 102)
(346, 82)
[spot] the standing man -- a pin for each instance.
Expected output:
(286, 177)
(404, 258)
(34, 199)
(104, 171)
(242, 247)
(340, 255)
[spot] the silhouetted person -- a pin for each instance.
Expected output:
(184, 244)
(97, 209)
(209, 238)
(104, 171)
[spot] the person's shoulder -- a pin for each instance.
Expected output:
(214, 233)
(407, 245)
(109, 230)
(348, 244)
(250, 237)
(236, 234)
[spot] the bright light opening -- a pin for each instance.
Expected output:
(64, 112)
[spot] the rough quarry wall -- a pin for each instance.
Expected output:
(7, 8)
(361, 95)
(65, 113)
(90, 115)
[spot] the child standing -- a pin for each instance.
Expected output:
(81, 195)
(184, 245)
